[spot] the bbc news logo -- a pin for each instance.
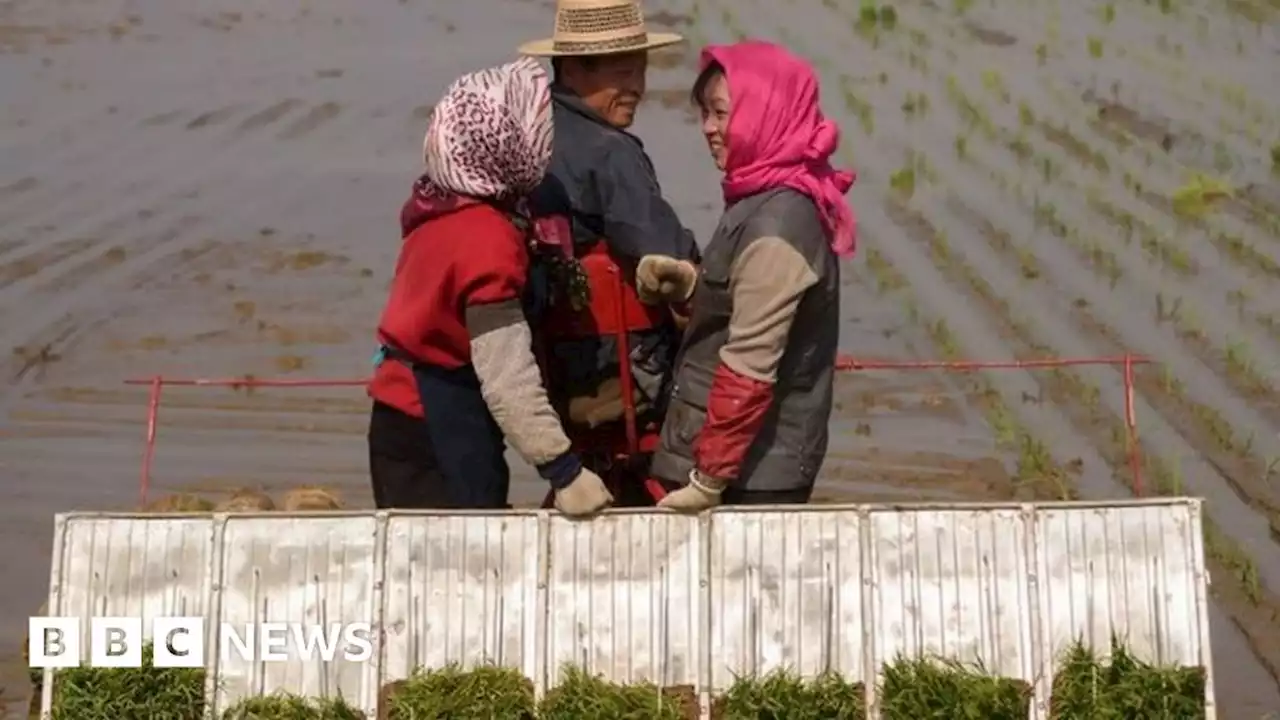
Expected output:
(55, 642)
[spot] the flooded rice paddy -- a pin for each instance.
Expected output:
(210, 189)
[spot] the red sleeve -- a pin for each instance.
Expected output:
(495, 264)
(736, 409)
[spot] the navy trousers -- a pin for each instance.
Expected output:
(452, 460)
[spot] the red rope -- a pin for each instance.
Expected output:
(844, 363)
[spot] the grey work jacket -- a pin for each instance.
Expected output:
(788, 451)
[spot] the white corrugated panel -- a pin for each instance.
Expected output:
(461, 589)
(786, 591)
(645, 595)
(951, 583)
(623, 597)
(1135, 570)
(313, 570)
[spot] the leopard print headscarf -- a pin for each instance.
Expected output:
(490, 135)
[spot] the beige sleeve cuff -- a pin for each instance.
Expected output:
(767, 281)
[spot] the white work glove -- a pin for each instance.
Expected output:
(664, 279)
(583, 497)
(702, 493)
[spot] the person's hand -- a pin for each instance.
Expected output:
(702, 493)
(583, 497)
(664, 279)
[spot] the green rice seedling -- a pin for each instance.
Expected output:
(913, 689)
(285, 706)
(1108, 14)
(1241, 566)
(867, 15)
(860, 107)
(1239, 360)
(903, 182)
(1089, 688)
(1275, 157)
(1197, 197)
(1095, 46)
(1036, 468)
(785, 695)
(887, 277)
(582, 696)
(1222, 161)
(1003, 427)
(1169, 479)
(944, 339)
(1020, 146)
(98, 693)
(994, 84)
(1025, 115)
(1170, 383)
(915, 104)
(888, 17)
(1168, 311)
(872, 15)
(482, 693)
(1239, 299)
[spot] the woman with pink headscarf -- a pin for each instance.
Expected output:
(747, 421)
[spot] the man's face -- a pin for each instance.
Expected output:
(612, 85)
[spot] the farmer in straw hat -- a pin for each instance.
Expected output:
(601, 185)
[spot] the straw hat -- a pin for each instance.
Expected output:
(598, 27)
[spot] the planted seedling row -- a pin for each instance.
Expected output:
(1036, 470)
(1205, 429)
(1070, 110)
(1029, 23)
(1002, 243)
(1085, 685)
(1072, 107)
(1024, 263)
(1103, 261)
(1168, 58)
(1079, 400)
(1215, 434)
(975, 116)
(1234, 363)
(1048, 215)
(1034, 464)
(1232, 359)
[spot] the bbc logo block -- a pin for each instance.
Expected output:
(56, 642)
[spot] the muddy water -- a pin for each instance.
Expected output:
(212, 191)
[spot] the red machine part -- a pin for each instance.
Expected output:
(614, 309)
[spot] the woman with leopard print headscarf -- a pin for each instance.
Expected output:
(456, 349)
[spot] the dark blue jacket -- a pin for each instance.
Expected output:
(602, 179)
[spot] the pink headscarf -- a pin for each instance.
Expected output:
(778, 136)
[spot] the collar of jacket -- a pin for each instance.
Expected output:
(569, 100)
